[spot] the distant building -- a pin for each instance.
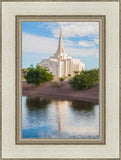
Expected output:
(61, 64)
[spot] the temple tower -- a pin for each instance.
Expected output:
(60, 50)
(60, 64)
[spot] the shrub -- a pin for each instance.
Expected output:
(85, 80)
(75, 72)
(69, 77)
(56, 84)
(37, 75)
(61, 78)
(24, 70)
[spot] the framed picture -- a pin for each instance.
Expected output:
(60, 79)
(61, 90)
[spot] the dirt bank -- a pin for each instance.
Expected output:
(66, 92)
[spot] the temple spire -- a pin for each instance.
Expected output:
(60, 44)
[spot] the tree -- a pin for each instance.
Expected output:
(24, 70)
(37, 75)
(61, 78)
(85, 80)
(75, 72)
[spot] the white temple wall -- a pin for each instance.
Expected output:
(62, 68)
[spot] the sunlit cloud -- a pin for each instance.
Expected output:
(96, 41)
(86, 44)
(37, 44)
(72, 29)
(45, 45)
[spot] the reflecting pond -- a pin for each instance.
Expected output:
(44, 118)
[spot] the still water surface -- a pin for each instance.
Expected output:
(43, 118)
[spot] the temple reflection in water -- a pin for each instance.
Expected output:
(43, 118)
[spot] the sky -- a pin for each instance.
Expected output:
(80, 39)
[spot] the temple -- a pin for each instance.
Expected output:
(61, 64)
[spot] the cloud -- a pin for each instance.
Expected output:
(82, 52)
(96, 41)
(48, 46)
(38, 44)
(72, 29)
(86, 44)
(85, 130)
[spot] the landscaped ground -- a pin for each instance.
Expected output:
(66, 92)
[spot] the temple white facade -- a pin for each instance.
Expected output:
(61, 64)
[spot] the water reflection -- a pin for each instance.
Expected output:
(36, 103)
(59, 115)
(42, 118)
(83, 106)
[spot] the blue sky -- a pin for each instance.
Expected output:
(40, 41)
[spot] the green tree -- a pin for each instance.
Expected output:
(75, 72)
(61, 78)
(85, 80)
(37, 75)
(69, 75)
(24, 70)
